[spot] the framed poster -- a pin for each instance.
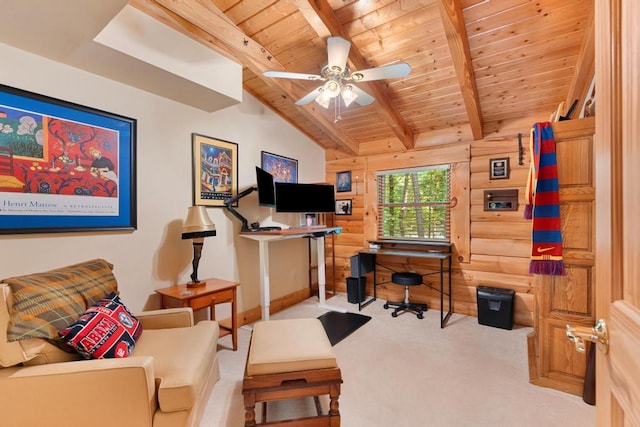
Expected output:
(499, 168)
(283, 169)
(67, 167)
(215, 170)
(343, 181)
(343, 206)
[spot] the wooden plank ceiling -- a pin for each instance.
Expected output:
(477, 65)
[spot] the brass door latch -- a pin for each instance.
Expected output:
(598, 335)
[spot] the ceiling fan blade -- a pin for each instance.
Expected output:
(338, 52)
(310, 96)
(363, 97)
(385, 72)
(289, 75)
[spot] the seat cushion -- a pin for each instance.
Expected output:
(182, 361)
(289, 345)
(406, 278)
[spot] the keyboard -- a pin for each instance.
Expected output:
(269, 228)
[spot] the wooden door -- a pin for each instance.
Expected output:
(617, 151)
(569, 299)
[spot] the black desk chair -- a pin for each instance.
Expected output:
(406, 280)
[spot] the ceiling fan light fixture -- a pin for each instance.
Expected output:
(331, 89)
(337, 79)
(348, 95)
(323, 100)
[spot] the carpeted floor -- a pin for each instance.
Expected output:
(408, 372)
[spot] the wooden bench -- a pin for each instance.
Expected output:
(289, 359)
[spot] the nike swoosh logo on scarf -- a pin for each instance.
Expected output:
(541, 250)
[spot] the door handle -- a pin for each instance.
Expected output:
(598, 335)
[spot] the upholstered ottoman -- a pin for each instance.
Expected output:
(289, 359)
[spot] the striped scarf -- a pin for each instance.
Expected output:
(543, 203)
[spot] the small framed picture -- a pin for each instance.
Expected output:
(343, 181)
(499, 168)
(343, 207)
(310, 219)
(283, 169)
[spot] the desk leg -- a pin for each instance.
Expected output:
(234, 320)
(264, 278)
(322, 278)
(445, 318)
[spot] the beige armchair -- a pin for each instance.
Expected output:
(165, 382)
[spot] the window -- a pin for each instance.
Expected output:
(414, 203)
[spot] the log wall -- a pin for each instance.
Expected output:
(491, 248)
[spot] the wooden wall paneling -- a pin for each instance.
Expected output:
(521, 283)
(504, 247)
(500, 240)
(479, 214)
(350, 239)
(361, 226)
(460, 215)
(351, 226)
(505, 262)
(489, 230)
(417, 158)
(481, 180)
(498, 264)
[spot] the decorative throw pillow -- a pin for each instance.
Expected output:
(44, 303)
(106, 330)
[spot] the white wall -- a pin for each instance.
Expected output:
(154, 256)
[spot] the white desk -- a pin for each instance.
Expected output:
(264, 237)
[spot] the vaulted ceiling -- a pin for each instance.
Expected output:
(480, 68)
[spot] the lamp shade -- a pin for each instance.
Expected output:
(198, 224)
(331, 88)
(348, 95)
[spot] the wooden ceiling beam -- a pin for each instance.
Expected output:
(323, 20)
(453, 21)
(212, 21)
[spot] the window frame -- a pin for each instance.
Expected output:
(446, 204)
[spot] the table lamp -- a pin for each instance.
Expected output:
(196, 227)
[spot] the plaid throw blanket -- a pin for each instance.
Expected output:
(543, 203)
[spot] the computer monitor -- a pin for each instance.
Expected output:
(266, 189)
(304, 198)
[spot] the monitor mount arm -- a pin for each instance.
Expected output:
(231, 200)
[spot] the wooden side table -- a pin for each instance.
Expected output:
(215, 291)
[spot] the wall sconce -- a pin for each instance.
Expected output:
(197, 226)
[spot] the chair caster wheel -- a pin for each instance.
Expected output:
(394, 314)
(420, 316)
(386, 305)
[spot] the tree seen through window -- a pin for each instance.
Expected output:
(414, 203)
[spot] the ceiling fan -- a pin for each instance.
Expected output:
(339, 79)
